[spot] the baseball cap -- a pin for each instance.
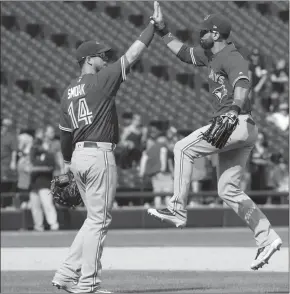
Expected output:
(90, 48)
(216, 22)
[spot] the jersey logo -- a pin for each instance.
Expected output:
(220, 92)
(216, 77)
(76, 91)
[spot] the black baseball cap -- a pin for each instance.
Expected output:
(216, 22)
(90, 48)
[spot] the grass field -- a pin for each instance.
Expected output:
(150, 261)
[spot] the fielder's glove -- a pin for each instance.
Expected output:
(65, 191)
(221, 129)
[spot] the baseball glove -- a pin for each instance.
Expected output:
(221, 129)
(65, 191)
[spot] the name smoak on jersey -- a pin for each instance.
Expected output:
(76, 91)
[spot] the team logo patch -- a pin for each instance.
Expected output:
(206, 17)
(220, 92)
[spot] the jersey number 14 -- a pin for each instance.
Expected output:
(83, 113)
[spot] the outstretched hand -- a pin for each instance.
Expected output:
(158, 16)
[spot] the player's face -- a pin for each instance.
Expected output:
(206, 39)
(98, 63)
(100, 60)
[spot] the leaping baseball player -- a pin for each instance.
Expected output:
(89, 134)
(231, 134)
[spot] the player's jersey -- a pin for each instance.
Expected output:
(88, 107)
(225, 68)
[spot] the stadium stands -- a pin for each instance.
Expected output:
(48, 67)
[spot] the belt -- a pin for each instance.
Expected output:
(89, 144)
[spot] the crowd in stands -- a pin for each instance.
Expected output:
(270, 86)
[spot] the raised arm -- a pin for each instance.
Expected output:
(137, 48)
(187, 54)
(144, 40)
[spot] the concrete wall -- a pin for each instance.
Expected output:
(129, 218)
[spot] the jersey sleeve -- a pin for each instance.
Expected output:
(194, 55)
(65, 121)
(236, 68)
(111, 77)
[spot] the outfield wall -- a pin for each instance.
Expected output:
(129, 218)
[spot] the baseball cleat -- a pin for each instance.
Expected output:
(63, 282)
(265, 253)
(167, 216)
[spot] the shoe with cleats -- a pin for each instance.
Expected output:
(167, 216)
(63, 282)
(265, 253)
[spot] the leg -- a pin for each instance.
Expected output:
(185, 152)
(101, 181)
(230, 169)
(49, 208)
(36, 210)
(71, 267)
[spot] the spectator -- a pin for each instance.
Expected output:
(43, 164)
(281, 118)
(155, 164)
(268, 101)
(201, 172)
(52, 144)
(279, 77)
(25, 142)
(8, 150)
(260, 162)
(280, 173)
(132, 142)
(127, 119)
(257, 70)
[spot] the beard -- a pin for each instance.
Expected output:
(206, 44)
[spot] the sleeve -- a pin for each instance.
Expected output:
(65, 121)
(194, 55)
(237, 68)
(66, 145)
(111, 77)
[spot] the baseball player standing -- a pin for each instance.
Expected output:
(229, 87)
(89, 134)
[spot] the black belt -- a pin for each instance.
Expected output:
(90, 144)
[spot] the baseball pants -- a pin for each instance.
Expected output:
(96, 175)
(232, 160)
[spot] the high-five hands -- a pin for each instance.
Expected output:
(158, 17)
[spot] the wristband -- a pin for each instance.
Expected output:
(147, 35)
(163, 31)
(235, 108)
(168, 38)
